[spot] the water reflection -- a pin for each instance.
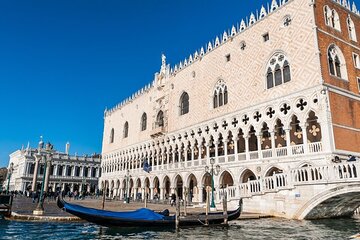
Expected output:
(246, 229)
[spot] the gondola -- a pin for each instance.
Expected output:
(144, 217)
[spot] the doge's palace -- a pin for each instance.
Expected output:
(273, 104)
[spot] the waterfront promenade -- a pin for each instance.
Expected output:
(23, 209)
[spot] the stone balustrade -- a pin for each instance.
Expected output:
(334, 173)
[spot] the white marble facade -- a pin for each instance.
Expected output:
(67, 173)
(253, 99)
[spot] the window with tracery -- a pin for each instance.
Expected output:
(278, 71)
(143, 122)
(220, 96)
(184, 103)
(126, 130)
(332, 18)
(351, 28)
(336, 62)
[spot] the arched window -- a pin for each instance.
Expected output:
(286, 69)
(184, 103)
(143, 122)
(215, 100)
(270, 78)
(332, 18)
(351, 28)
(225, 96)
(278, 75)
(337, 66)
(278, 70)
(126, 129)
(328, 16)
(220, 97)
(221, 102)
(336, 20)
(112, 136)
(160, 119)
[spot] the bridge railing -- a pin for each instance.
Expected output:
(341, 172)
(230, 191)
(334, 173)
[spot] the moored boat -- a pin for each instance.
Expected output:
(144, 217)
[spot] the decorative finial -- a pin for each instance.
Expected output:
(163, 59)
(41, 143)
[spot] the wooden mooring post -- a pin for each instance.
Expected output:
(225, 208)
(185, 201)
(146, 196)
(177, 214)
(208, 189)
(104, 196)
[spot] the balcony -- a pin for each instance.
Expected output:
(157, 131)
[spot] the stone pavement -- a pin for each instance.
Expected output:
(23, 207)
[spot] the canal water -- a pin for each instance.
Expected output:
(269, 228)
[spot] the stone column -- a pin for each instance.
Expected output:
(288, 145)
(247, 147)
(25, 170)
(143, 193)
(151, 193)
(36, 169)
(216, 152)
(258, 138)
(236, 139)
(192, 155)
(173, 156)
(73, 170)
(207, 154)
(55, 173)
(304, 131)
(200, 152)
(201, 194)
(47, 174)
(273, 147)
(226, 141)
(162, 193)
(167, 158)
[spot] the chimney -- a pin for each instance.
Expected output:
(67, 148)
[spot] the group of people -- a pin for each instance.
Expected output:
(351, 158)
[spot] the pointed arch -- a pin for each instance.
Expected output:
(351, 29)
(226, 179)
(336, 62)
(313, 128)
(247, 175)
(184, 103)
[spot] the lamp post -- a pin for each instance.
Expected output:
(10, 171)
(127, 198)
(212, 172)
(46, 158)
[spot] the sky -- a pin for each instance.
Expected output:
(63, 62)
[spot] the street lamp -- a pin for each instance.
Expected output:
(127, 197)
(212, 172)
(46, 158)
(10, 171)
